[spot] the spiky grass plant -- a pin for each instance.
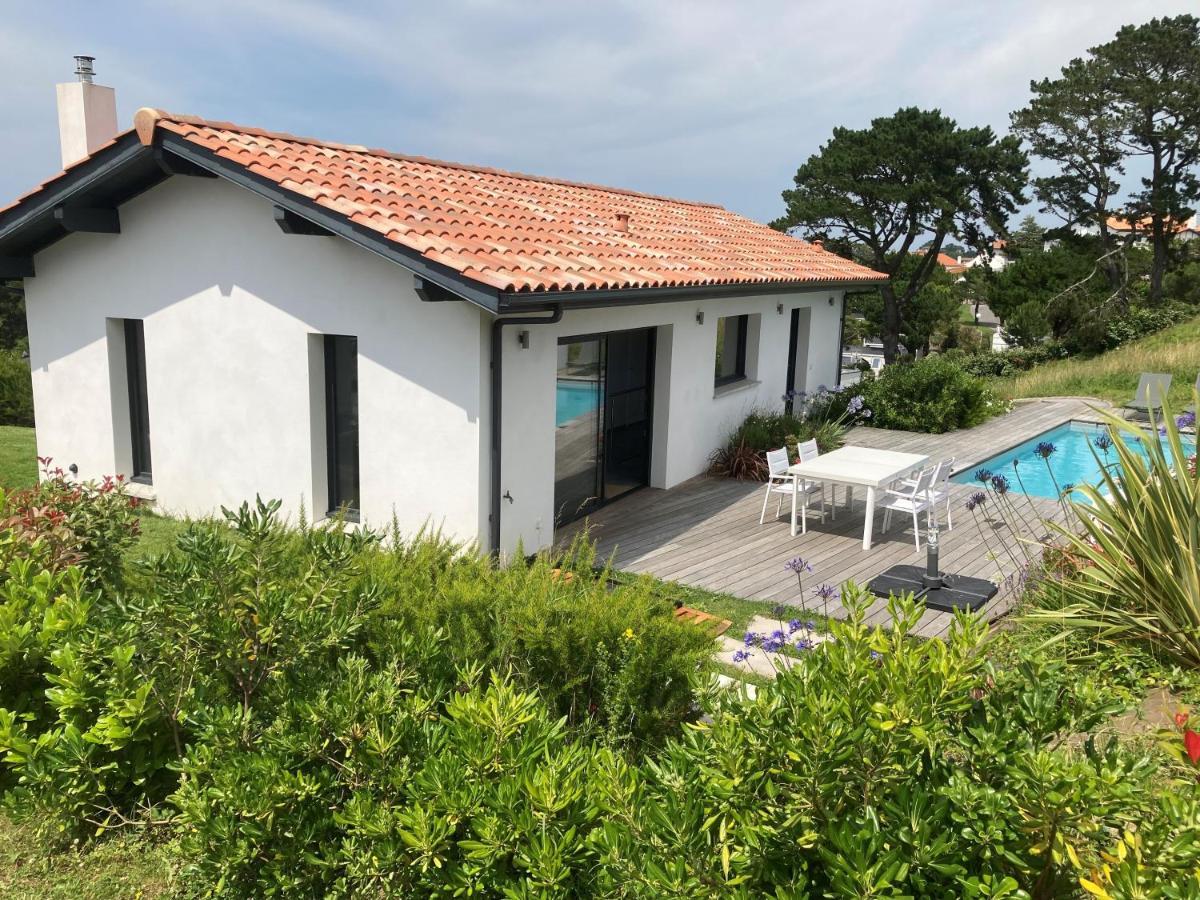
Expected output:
(1137, 575)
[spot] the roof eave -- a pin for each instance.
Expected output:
(595, 298)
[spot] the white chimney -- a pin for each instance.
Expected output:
(87, 113)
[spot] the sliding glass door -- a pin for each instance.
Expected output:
(603, 419)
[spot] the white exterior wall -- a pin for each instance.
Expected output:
(229, 304)
(691, 417)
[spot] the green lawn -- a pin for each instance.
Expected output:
(1113, 376)
(123, 866)
(18, 457)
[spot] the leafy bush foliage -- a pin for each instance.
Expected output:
(106, 693)
(821, 415)
(932, 395)
(1009, 362)
(877, 766)
(16, 389)
(63, 523)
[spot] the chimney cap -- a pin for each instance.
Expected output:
(622, 221)
(84, 70)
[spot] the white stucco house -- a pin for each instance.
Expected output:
(218, 311)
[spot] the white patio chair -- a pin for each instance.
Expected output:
(809, 450)
(912, 501)
(779, 483)
(939, 490)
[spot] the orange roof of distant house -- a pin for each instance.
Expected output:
(514, 232)
(1121, 223)
(949, 263)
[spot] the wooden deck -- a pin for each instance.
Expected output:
(705, 532)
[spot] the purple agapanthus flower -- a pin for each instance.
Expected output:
(876, 655)
(742, 656)
(804, 644)
(1104, 442)
(866, 414)
(799, 565)
(1185, 420)
(826, 592)
(854, 406)
(1000, 484)
(1045, 449)
(794, 625)
(810, 625)
(976, 499)
(1068, 487)
(752, 639)
(774, 644)
(983, 476)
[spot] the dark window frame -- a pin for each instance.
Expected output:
(337, 503)
(739, 373)
(141, 469)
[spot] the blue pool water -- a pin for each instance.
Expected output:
(1072, 462)
(574, 399)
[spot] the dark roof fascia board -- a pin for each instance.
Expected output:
(336, 223)
(74, 183)
(594, 299)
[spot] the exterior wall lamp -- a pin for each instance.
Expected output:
(523, 339)
(779, 308)
(699, 317)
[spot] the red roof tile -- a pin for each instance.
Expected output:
(519, 232)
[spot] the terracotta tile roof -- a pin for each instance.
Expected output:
(1121, 223)
(515, 232)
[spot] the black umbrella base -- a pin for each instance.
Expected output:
(957, 591)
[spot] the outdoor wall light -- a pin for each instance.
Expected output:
(831, 300)
(700, 317)
(523, 339)
(779, 308)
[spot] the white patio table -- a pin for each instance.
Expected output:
(855, 467)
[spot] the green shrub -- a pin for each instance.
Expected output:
(932, 395)
(1140, 321)
(16, 389)
(879, 765)
(609, 657)
(1013, 360)
(64, 523)
(821, 415)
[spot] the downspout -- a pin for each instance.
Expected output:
(841, 340)
(556, 314)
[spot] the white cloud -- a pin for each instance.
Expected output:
(699, 98)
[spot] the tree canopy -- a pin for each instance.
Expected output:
(908, 176)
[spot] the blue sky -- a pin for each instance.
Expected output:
(716, 101)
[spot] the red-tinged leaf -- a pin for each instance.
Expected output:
(1191, 743)
(1181, 718)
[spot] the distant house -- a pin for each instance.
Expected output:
(220, 311)
(1186, 230)
(996, 260)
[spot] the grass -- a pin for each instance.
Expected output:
(1114, 375)
(123, 866)
(18, 457)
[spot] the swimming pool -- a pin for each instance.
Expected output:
(1071, 463)
(574, 399)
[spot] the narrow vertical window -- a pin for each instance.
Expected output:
(731, 349)
(341, 423)
(139, 411)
